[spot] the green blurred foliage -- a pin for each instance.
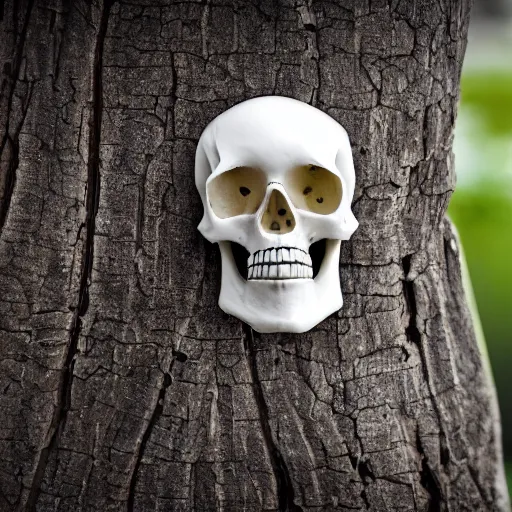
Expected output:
(491, 94)
(481, 208)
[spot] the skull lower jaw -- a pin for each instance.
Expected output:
(290, 305)
(290, 313)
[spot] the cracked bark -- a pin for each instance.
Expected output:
(122, 385)
(285, 491)
(9, 145)
(92, 191)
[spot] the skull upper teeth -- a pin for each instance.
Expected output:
(280, 263)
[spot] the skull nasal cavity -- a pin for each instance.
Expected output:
(277, 217)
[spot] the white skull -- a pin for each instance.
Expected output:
(275, 176)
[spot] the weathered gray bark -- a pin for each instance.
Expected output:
(122, 384)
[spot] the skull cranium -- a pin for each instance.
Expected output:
(276, 177)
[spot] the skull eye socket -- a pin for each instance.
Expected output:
(235, 192)
(314, 189)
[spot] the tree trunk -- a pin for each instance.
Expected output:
(123, 386)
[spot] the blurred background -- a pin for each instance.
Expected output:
(481, 206)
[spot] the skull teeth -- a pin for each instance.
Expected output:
(280, 263)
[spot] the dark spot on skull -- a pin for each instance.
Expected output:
(307, 190)
(288, 222)
(312, 168)
(275, 226)
(281, 212)
(319, 199)
(244, 191)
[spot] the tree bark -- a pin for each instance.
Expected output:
(123, 386)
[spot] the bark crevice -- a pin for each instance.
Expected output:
(92, 203)
(12, 168)
(429, 480)
(428, 477)
(153, 420)
(412, 332)
(285, 490)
